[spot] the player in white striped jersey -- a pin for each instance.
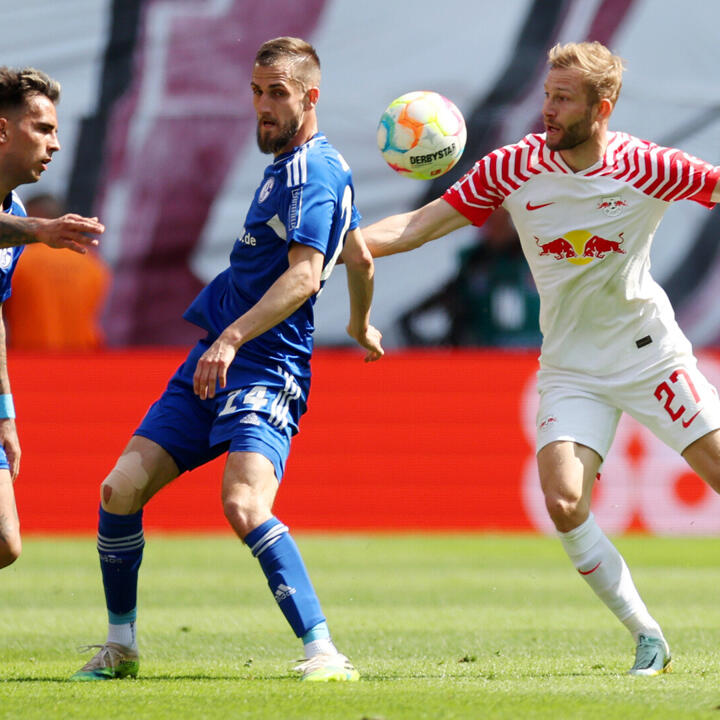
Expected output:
(586, 203)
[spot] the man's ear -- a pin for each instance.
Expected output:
(605, 108)
(3, 129)
(311, 97)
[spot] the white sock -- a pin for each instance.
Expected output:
(604, 569)
(123, 634)
(323, 646)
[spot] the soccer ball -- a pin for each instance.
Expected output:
(421, 135)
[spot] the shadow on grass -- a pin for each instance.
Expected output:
(368, 677)
(146, 679)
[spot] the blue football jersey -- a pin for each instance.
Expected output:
(306, 196)
(9, 256)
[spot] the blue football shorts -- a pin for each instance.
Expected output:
(257, 411)
(4, 464)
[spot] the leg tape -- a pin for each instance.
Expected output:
(122, 489)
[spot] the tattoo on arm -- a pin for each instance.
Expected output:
(14, 233)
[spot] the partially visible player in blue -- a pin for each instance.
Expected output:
(28, 140)
(242, 390)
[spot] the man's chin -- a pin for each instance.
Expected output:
(553, 141)
(266, 144)
(561, 144)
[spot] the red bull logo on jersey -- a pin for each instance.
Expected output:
(580, 247)
(611, 206)
(546, 423)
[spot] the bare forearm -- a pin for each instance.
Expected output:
(8, 432)
(280, 301)
(294, 287)
(716, 193)
(71, 232)
(360, 290)
(360, 273)
(16, 230)
(4, 375)
(399, 233)
(391, 235)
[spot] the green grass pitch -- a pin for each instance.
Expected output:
(440, 626)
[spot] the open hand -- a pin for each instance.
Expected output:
(369, 338)
(71, 231)
(211, 369)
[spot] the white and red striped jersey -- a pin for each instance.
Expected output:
(586, 236)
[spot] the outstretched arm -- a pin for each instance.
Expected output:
(68, 231)
(716, 193)
(300, 281)
(360, 278)
(399, 233)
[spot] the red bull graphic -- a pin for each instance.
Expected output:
(580, 247)
(599, 247)
(611, 206)
(559, 248)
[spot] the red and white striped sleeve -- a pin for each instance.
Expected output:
(478, 193)
(485, 187)
(668, 174)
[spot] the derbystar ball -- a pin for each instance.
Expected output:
(421, 135)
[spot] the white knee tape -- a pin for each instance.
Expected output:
(126, 480)
(128, 473)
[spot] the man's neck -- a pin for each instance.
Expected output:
(588, 153)
(304, 134)
(4, 192)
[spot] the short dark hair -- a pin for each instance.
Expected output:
(18, 84)
(301, 54)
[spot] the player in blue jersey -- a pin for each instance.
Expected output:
(242, 390)
(28, 140)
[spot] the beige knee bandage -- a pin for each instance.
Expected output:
(121, 491)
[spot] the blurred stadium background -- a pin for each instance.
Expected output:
(158, 141)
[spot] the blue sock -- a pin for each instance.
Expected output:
(120, 543)
(287, 577)
(320, 632)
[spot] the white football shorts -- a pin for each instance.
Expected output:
(671, 397)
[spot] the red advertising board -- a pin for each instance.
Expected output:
(437, 440)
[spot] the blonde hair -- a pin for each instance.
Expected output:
(301, 56)
(602, 71)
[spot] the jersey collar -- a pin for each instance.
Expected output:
(281, 158)
(604, 161)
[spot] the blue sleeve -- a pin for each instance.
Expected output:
(8, 261)
(312, 207)
(10, 256)
(355, 219)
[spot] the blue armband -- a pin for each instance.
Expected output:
(7, 409)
